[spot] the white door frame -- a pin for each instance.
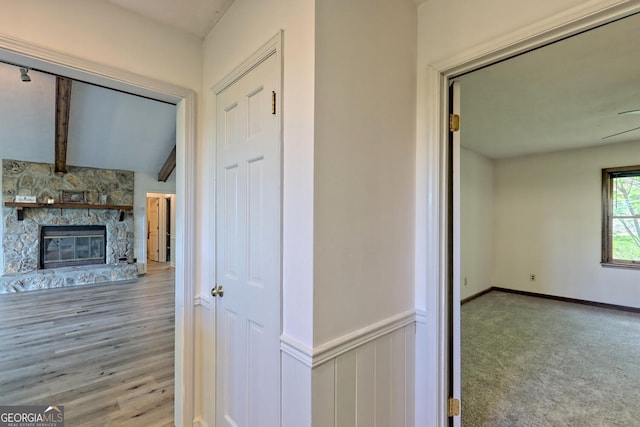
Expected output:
(38, 57)
(432, 168)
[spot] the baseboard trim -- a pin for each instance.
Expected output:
(572, 300)
(476, 295)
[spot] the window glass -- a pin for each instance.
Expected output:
(625, 236)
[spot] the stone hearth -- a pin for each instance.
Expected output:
(67, 276)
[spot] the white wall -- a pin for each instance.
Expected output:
(548, 222)
(463, 24)
(103, 33)
(364, 164)
(476, 218)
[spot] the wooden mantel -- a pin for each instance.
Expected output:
(21, 206)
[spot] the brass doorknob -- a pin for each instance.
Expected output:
(217, 291)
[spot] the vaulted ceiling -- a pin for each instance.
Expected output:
(107, 129)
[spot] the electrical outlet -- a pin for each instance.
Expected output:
(532, 277)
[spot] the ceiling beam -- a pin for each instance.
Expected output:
(63, 102)
(168, 167)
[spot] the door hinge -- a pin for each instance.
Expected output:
(453, 407)
(273, 102)
(454, 123)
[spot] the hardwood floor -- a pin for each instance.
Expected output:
(105, 352)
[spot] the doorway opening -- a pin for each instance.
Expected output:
(50, 61)
(465, 276)
(160, 227)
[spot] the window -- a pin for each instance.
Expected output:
(621, 216)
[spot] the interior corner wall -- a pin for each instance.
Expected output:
(548, 223)
(476, 222)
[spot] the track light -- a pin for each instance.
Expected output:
(23, 74)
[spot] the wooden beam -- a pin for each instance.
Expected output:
(63, 102)
(168, 167)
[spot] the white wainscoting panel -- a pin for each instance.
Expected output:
(204, 409)
(296, 392)
(371, 385)
(422, 369)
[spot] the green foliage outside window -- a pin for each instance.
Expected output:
(626, 218)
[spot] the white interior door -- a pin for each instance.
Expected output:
(455, 241)
(248, 198)
(153, 223)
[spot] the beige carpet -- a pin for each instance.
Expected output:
(529, 361)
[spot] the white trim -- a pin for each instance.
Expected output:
(580, 18)
(35, 56)
(558, 26)
(421, 317)
(258, 57)
(200, 422)
(203, 302)
(297, 350)
(317, 356)
(345, 343)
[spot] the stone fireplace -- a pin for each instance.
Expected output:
(32, 258)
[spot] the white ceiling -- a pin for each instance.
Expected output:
(562, 96)
(195, 17)
(107, 129)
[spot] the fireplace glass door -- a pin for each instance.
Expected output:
(65, 246)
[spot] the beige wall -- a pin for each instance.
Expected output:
(364, 164)
(548, 223)
(476, 223)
